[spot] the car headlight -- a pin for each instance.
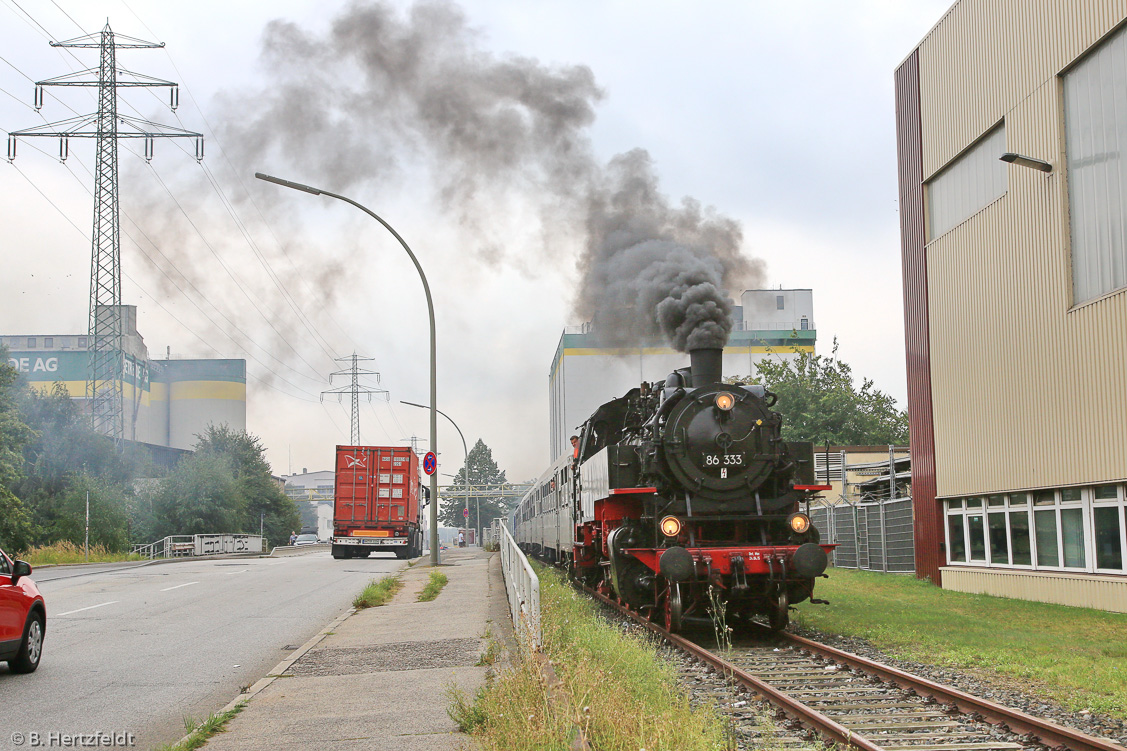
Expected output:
(671, 526)
(799, 523)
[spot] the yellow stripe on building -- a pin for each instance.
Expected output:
(209, 390)
(74, 388)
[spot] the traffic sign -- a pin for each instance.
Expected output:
(430, 463)
(466, 513)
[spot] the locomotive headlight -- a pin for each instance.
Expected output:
(725, 401)
(671, 526)
(800, 523)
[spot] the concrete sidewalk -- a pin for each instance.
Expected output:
(379, 678)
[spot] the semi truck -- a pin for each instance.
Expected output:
(378, 501)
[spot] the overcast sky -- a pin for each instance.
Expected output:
(780, 116)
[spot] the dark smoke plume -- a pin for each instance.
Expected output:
(386, 98)
(652, 268)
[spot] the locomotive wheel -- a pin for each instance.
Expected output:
(673, 609)
(780, 614)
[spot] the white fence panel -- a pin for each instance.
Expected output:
(523, 588)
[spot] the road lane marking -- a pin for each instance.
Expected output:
(169, 589)
(232, 573)
(69, 612)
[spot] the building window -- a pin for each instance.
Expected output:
(82, 342)
(1095, 135)
(48, 341)
(779, 302)
(804, 324)
(1068, 528)
(31, 341)
(969, 184)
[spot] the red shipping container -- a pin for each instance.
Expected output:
(376, 502)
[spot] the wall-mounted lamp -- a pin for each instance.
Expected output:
(1026, 161)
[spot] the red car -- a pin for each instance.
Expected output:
(23, 616)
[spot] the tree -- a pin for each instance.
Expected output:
(263, 502)
(63, 460)
(199, 496)
(15, 523)
(484, 504)
(62, 516)
(819, 403)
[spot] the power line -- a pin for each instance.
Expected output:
(162, 307)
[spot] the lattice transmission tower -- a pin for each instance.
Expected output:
(104, 387)
(355, 389)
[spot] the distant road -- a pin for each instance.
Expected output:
(137, 648)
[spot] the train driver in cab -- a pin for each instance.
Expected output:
(574, 449)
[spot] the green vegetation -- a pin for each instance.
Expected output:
(66, 551)
(483, 508)
(614, 686)
(199, 732)
(1073, 655)
(52, 462)
(820, 403)
(434, 586)
(225, 486)
(377, 593)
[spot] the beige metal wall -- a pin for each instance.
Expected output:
(1077, 590)
(1027, 392)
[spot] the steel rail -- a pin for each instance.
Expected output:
(792, 707)
(1048, 733)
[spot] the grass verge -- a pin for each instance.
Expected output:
(199, 732)
(67, 552)
(1076, 656)
(616, 688)
(433, 587)
(377, 592)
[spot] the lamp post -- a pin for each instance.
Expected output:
(433, 370)
(467, 477)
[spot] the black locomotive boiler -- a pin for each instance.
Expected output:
(683, 493)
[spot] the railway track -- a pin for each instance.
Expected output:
(852, 701)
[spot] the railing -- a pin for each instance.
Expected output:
(178, 546)
(523, 588)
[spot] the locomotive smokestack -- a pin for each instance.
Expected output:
(707, 364)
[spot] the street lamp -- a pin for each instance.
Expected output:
(467, 478)
(433, 368)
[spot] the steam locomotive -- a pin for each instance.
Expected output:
(682, 499)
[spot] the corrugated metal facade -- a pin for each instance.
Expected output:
(1026, 393)
(1015, 388)
(928, 515)
(1077, 590)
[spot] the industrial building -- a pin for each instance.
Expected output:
(586, 373)
(167, 403)
(1011, 124)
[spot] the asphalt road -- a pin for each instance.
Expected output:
(139, 648)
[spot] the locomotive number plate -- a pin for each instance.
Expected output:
(723, 460)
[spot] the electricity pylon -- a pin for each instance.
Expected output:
(355, 389)
(104, 343)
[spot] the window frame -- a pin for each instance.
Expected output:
(962, 508)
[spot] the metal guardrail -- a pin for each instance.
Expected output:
(183, 546)
(523, 587)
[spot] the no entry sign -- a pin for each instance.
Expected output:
(430, 463)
